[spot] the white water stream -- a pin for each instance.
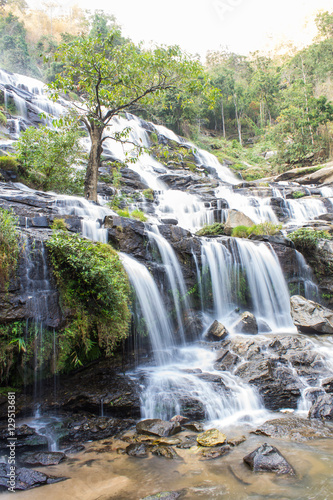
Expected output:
(183, 374)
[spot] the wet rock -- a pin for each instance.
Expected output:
(165, 495)
(138, 450)
(277, 384)
(25, 479)
(194, 426)
(157, 427)
(226, 360)
(327, 384)
(247, 324)
(211, 437)
(168, 441)
(211, 454)
(295, 428)
(236, 218)
(267, 458)
(73, 450)
(322, 408)
(43, 458)
(216, 332)
(180, 419)
(165, 451)
(311, 317)
(173, 222)
(236, 441)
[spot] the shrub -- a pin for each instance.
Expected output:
(211, 230)
(259, 229)
(138, 214)
(298, 194)
(8, 163)
(240, 232)
(122, 213)
(9, 246)
(59, 224)
(306, 239)
(148, 194)
(3, 119)
(94, 285)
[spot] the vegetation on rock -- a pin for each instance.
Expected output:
(94, 285)
(9, 246)
(215, 229)
(306, 239)
(264, 228)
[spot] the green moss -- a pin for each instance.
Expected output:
(211, 230)
(122, 213)
(94, 285)
(265, 228)
(298, 194)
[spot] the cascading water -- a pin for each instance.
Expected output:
(175, 277)
(245, 273)
(152, 308)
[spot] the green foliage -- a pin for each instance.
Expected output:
(153, 137)
(8, 163)
(264, 228)
(148, 194)
(3, 119)
(14, 52)
(240, 232)
(59, 225)
(47, 158)
(211, 230)
(306, 239)
(298, 194)
(122, 213)
(138, 214)
(9, 246)
(94, 285)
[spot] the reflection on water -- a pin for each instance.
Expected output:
(95, 474)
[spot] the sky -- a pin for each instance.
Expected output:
(197, 26)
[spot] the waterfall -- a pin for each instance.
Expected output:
(245, 275)
(152, 307)
(174, 275)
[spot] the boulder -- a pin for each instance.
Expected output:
(211, 454)
(194, 426)
(165, 451)
(157, 427)
(267, 458)
(211, 437)
(247, 324)
(236, 218)
(226, 360)
(25, 479)
(43, 458)
(327, 384)
(295, 428)
(138, 450)
(216, 332)
(311, 317)
(322, 408)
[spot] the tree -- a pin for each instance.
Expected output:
(111, 77)
(46, 157)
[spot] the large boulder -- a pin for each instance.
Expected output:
(247, 324)
(294, 428)
(267, 458)
(216, 331)
(24, 478)
(157, 427)
(311, 317)
(236, 218)
(322, 408)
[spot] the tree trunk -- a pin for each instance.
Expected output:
(239, 124)
(223, 120)
(90, 183)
